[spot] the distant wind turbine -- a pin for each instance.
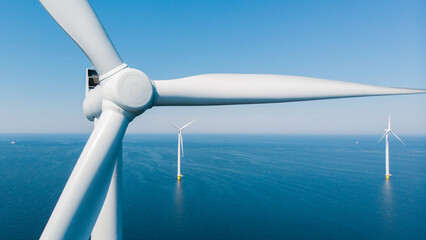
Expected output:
(387, 132)
(180, 145)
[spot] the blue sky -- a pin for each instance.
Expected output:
(373, 42)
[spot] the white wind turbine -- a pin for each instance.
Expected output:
(387, 132)
(91, 200)
(180, 145)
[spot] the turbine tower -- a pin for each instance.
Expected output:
(88, 203)
(180, 145)
(386, 136)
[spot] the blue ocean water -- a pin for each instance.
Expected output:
(234, 186)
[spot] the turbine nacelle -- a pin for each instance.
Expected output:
(92, 104)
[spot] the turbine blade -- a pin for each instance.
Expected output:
(389, 123)
(226, 89)
(81, 201)
(181, 144)
(186, 125)
(398, 138)
(383, 136)
(173, 124)
(79, 21)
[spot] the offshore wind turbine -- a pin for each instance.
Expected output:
(386, 136)
(180, 145)
(86, 204)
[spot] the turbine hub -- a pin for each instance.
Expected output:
(129, 89)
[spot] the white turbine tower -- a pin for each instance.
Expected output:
(90, 201)
(180, 145)
(386, 135)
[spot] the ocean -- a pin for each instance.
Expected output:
(234, 186)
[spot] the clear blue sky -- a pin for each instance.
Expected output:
(374, 42)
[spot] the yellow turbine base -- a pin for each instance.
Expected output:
(388, 176)
(179, 177)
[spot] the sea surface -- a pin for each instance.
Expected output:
(234, 186)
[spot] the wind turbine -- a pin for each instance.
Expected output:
(90, 201)
(180, 145)
(387, 132)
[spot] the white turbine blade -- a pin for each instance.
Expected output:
(186, 125)
(383, 136)
(389, 123)
(181, 144)
(78, 19)
(81, 200)
(225, 89)
(173, 124)
(398, 138)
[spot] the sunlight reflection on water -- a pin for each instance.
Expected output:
(387, 199)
